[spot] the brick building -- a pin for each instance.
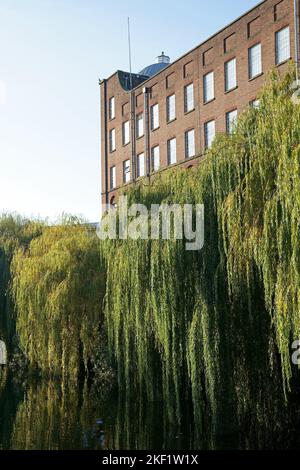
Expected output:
(168, 114)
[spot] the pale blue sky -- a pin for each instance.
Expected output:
(52, 53)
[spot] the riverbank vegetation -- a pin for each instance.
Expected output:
(217, 325)
(211, 327)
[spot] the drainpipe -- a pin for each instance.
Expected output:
(147, 131)
(133, 135)
(105, 139)
(297, 37)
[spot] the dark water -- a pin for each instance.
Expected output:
(47, 414)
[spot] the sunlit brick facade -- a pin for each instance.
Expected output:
(171, 118)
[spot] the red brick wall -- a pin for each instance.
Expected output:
(259, 25)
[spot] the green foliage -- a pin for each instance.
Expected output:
(57, 288)
(217, 325)
(15, 232)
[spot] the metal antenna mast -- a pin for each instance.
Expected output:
(129, 51)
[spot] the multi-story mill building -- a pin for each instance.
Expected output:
(169, 113)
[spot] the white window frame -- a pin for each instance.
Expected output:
(230, 82)
(154, 116)
(140, 125)
(255, 60)
(255, 103)
(171, 110)
(113, 177)
(126, 132)
(155, 158)
(172, 151)
(282, 51)
(231, 121)
(189, 143)
(112, 108)
(209, 133)
(189, 99)
(126, 171)
(112, 140)
(141, 165)
(208, 87)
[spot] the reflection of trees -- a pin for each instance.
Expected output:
(55, 415)
(10, 396)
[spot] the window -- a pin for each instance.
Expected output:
(209, 133)
(112, 177)
(255, 62)
(125, 109)
(112, 140)
(154, 117)
(208, 87)
(255, 104)
(155, 158)
(126, 171)
(189, 138)
(172, 157)
(230, 75)
(112, 111)
(231, 120)
(171, 108)
(126, 132)
(189, 98)
(139, 125)
(283, 51)
(141, 165)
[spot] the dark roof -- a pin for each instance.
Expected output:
(136, 79)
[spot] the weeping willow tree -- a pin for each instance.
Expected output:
(57, 285)
(216, 325)
(15, 232)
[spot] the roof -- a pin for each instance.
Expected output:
(153, 69)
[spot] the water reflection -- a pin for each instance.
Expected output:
(49, 414)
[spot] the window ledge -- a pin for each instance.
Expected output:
(210, 101)
(112, 151)
(140, 137)
(126, 145)
(189, 112)
(231, 89)
(256, 76)
(155, 129)
(284, 62)
(172, 120)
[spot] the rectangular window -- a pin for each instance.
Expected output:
(154, 117)
(171, 108)
(141, 165)
(155, 158)
(230, 75)
(172, 156)
(126, 171)
(231, 120)
(209, 133)
(208, 87)
(255, 104)
(283, 47)
(189, 98)
(112, 177)
(139, 125)
(112, 110)
(189, 138)
(112, 140)
(126, 132)
(255, 61)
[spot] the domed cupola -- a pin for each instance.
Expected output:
(162, 61)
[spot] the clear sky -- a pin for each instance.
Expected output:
(52, 53)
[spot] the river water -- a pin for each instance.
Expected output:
(49, 415)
